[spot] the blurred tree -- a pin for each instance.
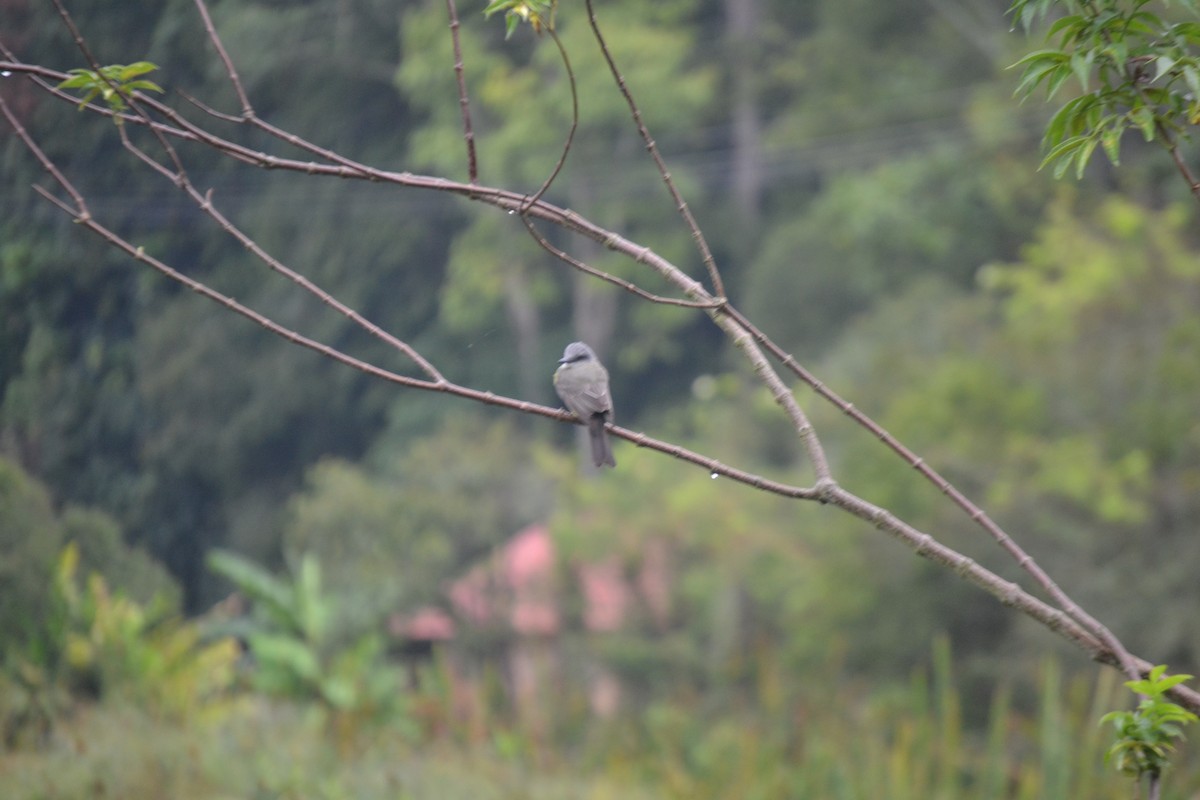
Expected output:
(392, 535)
(29, 543)
(216, 473)
(497, 288)
(1064, 395)
(32, 536)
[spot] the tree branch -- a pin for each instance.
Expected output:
(464, 103)
(1069, 620)
(681, 206)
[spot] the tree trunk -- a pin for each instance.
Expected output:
(746, 179)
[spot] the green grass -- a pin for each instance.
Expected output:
(894, 743)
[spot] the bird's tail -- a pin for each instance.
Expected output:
(601, 448)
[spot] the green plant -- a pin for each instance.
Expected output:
(538, 13)
(111, 645)
(1146, 736)
(112, 83)
(300, 652)
(1135, 69)
(96, 644)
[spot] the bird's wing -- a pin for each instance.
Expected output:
(593, 400)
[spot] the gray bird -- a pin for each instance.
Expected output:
(582, 383)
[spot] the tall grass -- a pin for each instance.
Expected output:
(839, 742)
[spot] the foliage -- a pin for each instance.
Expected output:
(822, 738)
(98, 373)
(390, 533)
(29, 541)
(115, 648)
(92, 643)
(301, 654)
(1146, 736)
(875, 232)
(32, 538)
(1062, 394)
(538, 13)
(112, 84)
(1135, 69)
(748, 579)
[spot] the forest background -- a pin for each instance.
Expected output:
(872, 190)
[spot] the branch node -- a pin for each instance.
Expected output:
(824, 490)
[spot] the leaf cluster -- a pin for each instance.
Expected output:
(1146, 736)
(1135, 69)
(112, 83)
(298, 650)
(116, 646)
(538, 13)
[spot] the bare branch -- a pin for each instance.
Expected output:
(613, 279)
(1008, 593)
(976, 514)
(223, 54)
(463, 103)
(740, 329)
(566, 149)
(681, 206)
(1069, 620)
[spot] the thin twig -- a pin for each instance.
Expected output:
(463, 102)
(782, 395)
(207, 109)
(1176, 156)
(681, 206)
(204, 201)
(608, 278)
(97, 67)
(223, 54)
(566, 148)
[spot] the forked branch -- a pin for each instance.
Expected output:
(167, 124)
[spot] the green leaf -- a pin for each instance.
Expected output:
(496, 6)
(1038, 66)
(1191, 76)
(1144, 23)
(1118, 51)
(1163, 65)
(150, 86)
(1084, 155)
(1067, 120)
(1111, 139)
(1173, 681)
(1071, 25)
(1143, 117)
(133, 70)
(254, 581)
(1081, 65)
(1057, 79)
(80, 78)
(87, 98)
(1063, 154)
(1187, 31)
(1053, 55)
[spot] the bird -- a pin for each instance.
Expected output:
(582, 383)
